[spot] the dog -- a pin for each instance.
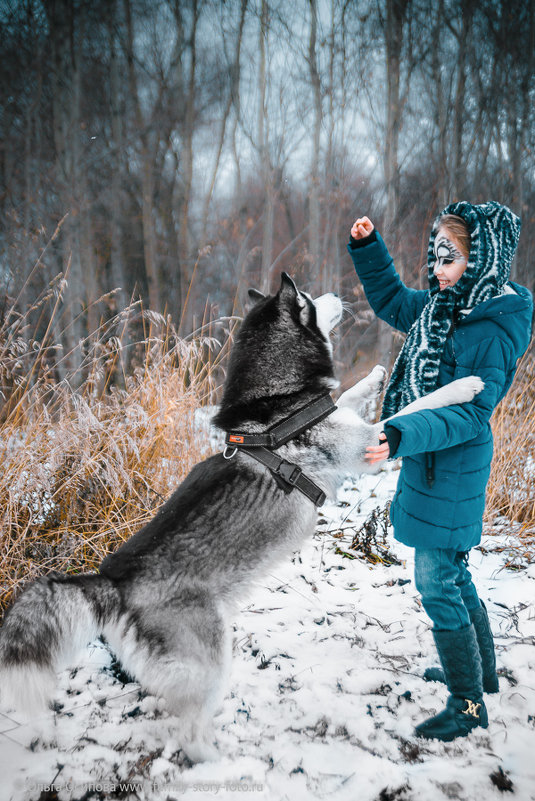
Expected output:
(164, 600)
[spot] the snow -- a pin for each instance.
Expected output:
(325, 691)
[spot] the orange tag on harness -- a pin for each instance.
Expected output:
(235, 438)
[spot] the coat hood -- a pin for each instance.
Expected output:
(494, 233)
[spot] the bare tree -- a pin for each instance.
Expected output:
(117, 111)
(231, 102)
(147, 151)
(317, 105)
(394, 33)
(263, 143)
(395, 24)
(125, 114)
(188, 129)
(66, 94)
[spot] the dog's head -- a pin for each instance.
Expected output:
(282, 356)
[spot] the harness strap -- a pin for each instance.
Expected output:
(283, 432)
(288, 475)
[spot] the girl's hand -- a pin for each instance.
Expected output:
(378, 453)
(362, 227)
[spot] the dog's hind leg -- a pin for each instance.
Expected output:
(180, 651)
(199, 698)
(198, 677)
(53, 618)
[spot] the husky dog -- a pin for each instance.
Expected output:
(164, 599)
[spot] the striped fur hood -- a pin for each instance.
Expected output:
(494, 232)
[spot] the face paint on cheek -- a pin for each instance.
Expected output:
(446, 252)
(450, 263)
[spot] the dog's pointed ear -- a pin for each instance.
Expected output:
(255, 295)
(288, 288)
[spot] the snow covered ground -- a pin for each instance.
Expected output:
(325, 692)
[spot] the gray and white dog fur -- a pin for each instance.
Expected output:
(164, 600)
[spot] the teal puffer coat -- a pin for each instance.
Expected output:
(447, 452)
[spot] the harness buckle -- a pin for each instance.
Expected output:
(289, 472)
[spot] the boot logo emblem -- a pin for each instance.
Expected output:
(473, 709)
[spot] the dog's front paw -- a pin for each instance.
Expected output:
(467, 388)
(377, 378)
(374, 385)
(362, 397)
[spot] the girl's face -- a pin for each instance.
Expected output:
(450, 263)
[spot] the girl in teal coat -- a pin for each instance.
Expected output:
(471, 321)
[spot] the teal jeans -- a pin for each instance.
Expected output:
(443, 580)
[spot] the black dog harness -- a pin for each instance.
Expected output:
(288, 475)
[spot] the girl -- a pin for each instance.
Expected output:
(471, 321)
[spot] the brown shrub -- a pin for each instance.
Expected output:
(511, 488)
(84, 468)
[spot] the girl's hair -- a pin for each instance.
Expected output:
(457, 227)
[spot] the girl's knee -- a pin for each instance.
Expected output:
(435, 573)
(427, 572)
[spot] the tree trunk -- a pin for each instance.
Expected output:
(187, 137)
(66, 66)
(147, 173)
(459, 167)
(263, 144)
(232, 100)
(314, 191)
(442, 181)
(118, 271)
(149, 235)
(395, 21)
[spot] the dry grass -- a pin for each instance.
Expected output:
(511, 489)
(84, 468)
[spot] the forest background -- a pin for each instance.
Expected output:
(180, 152)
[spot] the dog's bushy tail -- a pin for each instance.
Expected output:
(53, 618)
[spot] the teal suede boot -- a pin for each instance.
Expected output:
(465, 709)
(485, 641)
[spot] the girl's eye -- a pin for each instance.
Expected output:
(447, 261)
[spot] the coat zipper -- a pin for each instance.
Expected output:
(430, 468)
(430, 457)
